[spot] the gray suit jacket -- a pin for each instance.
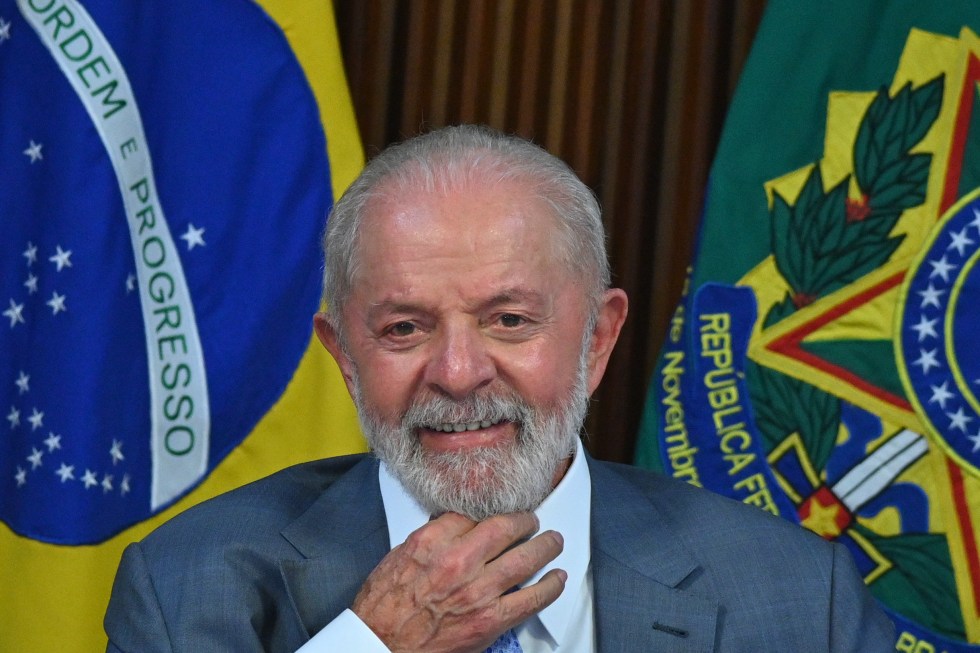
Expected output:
(676, 569)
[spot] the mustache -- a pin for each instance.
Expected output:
(486, 406)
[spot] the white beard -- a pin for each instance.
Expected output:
(485, 481)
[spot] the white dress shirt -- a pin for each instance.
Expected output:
(565, 626)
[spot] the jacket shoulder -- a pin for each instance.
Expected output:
(262, 508)
(690, 508)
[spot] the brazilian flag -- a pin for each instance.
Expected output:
(168, 166)
(824, 362)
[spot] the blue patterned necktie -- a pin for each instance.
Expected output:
(506, 643)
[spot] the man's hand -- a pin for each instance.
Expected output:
(443, 589)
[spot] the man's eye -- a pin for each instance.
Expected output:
(510, 320)
(402, 329)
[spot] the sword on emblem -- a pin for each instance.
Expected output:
(871, 476)
(830, 510)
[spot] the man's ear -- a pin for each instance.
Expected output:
(331, 341)
(612, 314)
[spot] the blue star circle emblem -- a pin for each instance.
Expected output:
(938, 348)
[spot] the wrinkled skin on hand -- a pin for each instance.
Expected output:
(442, 590)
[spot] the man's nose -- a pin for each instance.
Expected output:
(461, 363)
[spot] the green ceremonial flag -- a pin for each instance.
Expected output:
(824, 363)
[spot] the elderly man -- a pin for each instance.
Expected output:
(471, 315)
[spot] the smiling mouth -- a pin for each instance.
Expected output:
(459, 427)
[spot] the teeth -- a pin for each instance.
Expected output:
(466, 426)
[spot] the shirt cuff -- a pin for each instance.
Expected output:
(345, 633)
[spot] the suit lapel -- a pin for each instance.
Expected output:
(640, 575)
(342, 537)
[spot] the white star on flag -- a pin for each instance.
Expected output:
(130, 283)
(53, 441)
(34, 151)
(959, 419)
(30, 253)
(976, 219)
(960, 241)
(66, 472)
(106, 484)
(36, 419)
(57, 303)
(124, 485)
(20, 476)
(975, 439)
(4, 30)
(23, 383)
(116, 452)
(13, 417)
(926, 328)
(61, 258)
(35, 457)
(15, 313)
(31, 284)
(930, 296)
(941, 268)
(193, 236)
(940, 393)
(88, 479)
(927, 360)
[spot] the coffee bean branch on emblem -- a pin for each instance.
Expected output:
(828, 239)
(831, 237)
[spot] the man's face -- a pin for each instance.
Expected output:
(466, 345)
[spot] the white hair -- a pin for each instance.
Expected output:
(448, 158)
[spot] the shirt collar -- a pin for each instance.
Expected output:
(561, 511)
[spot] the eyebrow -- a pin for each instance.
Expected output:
(389, 306)
(516, 294)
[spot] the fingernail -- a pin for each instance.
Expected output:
(563, 575)
(558, 538)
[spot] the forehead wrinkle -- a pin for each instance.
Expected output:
(515, 294)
